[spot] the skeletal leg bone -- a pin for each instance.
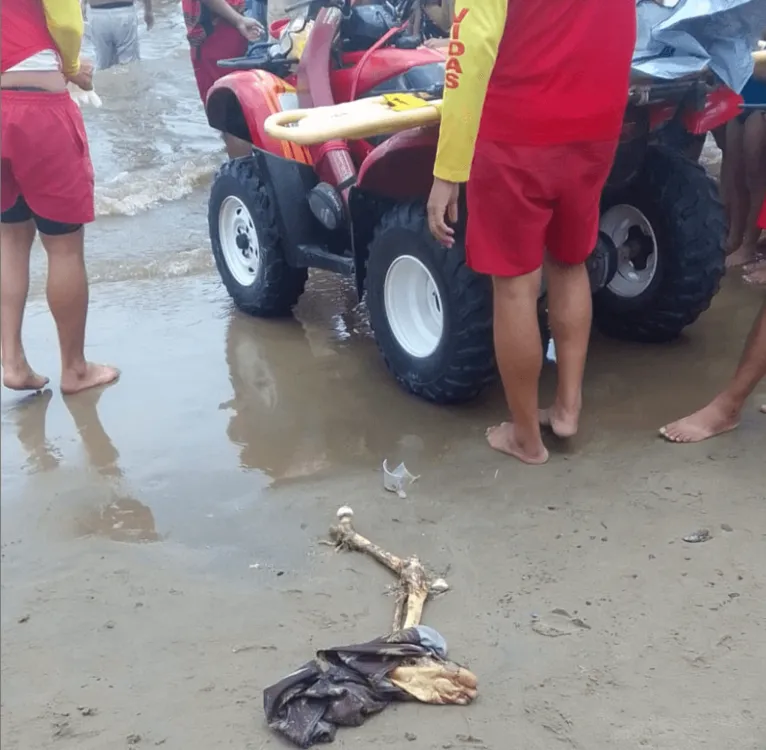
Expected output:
(415, 582)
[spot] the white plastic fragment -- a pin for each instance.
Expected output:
(80, 96)
(398, 479)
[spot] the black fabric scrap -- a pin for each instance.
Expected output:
(341, 687)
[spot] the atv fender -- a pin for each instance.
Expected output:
(240, 102)
(402, 167)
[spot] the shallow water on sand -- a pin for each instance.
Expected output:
(214, 409)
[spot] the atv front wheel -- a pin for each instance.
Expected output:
(431, 315)
(246, 244)
(670, 230)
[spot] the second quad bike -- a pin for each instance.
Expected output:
(357, 208)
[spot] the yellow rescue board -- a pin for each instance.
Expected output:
(364, 118)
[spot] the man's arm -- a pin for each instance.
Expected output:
(476, 33)
(64, 20)
(224, 10)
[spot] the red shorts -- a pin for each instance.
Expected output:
(224, 42)
(762, 216)
(45, 156)
(524, 200)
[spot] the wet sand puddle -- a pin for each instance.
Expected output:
(216, 409)
(211, 399)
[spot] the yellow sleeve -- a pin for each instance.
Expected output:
(476, 33)
(64, 19)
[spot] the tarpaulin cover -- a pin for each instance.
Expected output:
(694, 34)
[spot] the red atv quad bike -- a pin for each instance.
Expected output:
(358, 208)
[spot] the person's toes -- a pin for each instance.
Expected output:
(502, 438)
(763, 408)
(24, 379)
(740, 257)
(91, 376)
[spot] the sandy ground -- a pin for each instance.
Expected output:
(160, 547)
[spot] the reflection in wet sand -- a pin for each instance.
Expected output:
(29, 417)
(299, 408)
(122, 518)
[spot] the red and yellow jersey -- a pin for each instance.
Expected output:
(32, 26)
(534, 72)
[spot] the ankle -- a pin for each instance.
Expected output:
(728, 404)
(16, 360)
(571, 406)
(77, 367)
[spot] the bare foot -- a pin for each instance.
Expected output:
(90, 376)
(563, 424)
(741, 256)
(23, 378)
(763, 408)
(713, 419)
(503, 438)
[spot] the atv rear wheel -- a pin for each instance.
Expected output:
(670, 230)
(431, 315)
(246, 244)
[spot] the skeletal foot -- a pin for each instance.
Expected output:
(503, 438)
(741, 256)
(22, 377)
(563, 423)
(87, 376)
(713, 419)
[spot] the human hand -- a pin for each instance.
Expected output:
(84, 76)
(149, 19)
(443, 203)
(250, 28)
(437, 44)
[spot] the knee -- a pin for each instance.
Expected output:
(518, 288)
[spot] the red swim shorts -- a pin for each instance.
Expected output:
(524, 200)
(45, 156)
(762, 216)
(224, 42)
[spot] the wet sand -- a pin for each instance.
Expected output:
(160, 547)
(160, 541)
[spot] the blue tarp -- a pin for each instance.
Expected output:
(696, 34)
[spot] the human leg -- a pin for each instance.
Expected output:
(735, 191)
(67, 292)
(127, 48)
(17, 232)
(570, 239)
(570, 314)
(102, 37)
(723, 413)
(754, 144)
(519, 354)
(508, 212)
(224, 42)
(56, 179)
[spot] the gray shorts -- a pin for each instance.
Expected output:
(114, 32)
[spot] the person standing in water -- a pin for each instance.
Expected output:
(533, 109)
(46, 185)
(217, 30)
(114, 30)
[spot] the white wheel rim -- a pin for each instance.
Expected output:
(239, 240)
(637, 249)
(413, 306)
